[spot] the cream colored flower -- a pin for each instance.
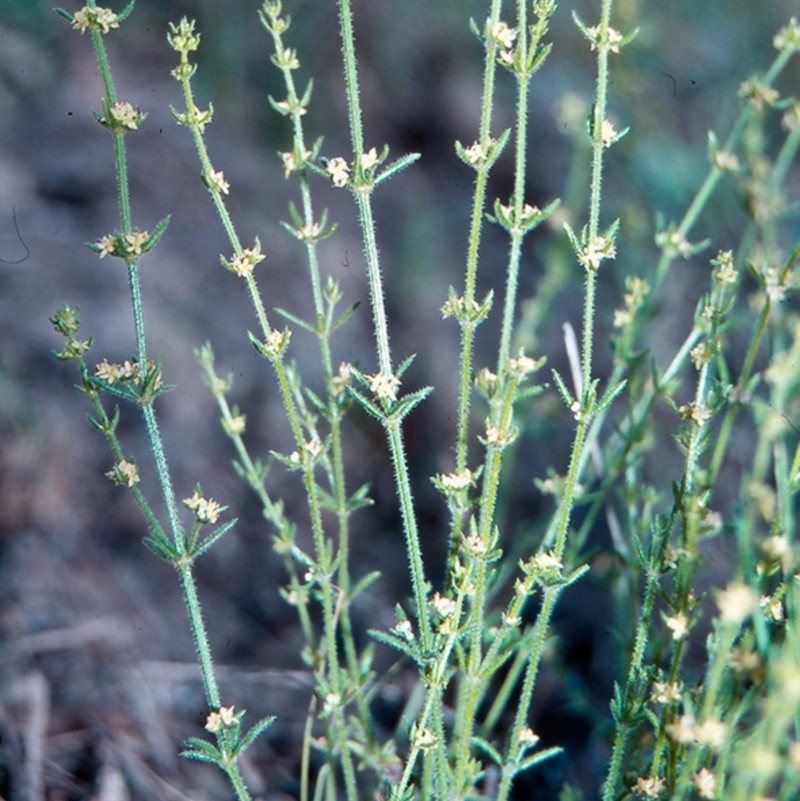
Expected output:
(384, 386)
(443, 606)
(695, 413)
(405, 630)
(726, 162)
(290, 163)
(666, 692)
(736, 603)
(678, 624)
(135, 242)
(369, 159)
(594, 252)
(613, 38)
(705, 783)
(216, 181)
(102, 19)
(503, 34)
(608, 133)
(343, 379)
(125, 115)
(107, 245)
(128, 473)
(711, 733)
(339, 171)
(225, 718)
(457, 481)
(682, 730)
(206, 510)
(650, 787)
(243, 263)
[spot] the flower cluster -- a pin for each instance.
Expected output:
(612, 39)
(222, 719)
(122, 116)
(596, 251)
(216, 182)
(126, 246)
(384, 386)
(633, 298)
(124, 473)
(196, 117)
(129, 371)
(182, 37)
(674, 243)
(544, 568)
(504, 37)
(338, 170)
(242, 264)
(98, 19)
(695, 413)
(788, 37)
(205, 510)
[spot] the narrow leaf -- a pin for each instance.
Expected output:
(397, 166)
(214, 537)
(258, 729)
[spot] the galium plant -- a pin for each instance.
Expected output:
(476, 638)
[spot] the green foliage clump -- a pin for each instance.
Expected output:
(476, 638)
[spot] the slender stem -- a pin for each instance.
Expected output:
(184, 561)
(577, 454)
(473, 249)
(200, 636)
(375, 278)
(403, 484)
(520, 162)
(351, 78)
(392, 425)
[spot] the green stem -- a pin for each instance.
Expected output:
(375, 278)
(473, 249)
(403, 485)
(520, 161)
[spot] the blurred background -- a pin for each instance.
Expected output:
(97, 681)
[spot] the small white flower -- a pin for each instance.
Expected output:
(216, 180)
(405, 630)
(384, 386)
(679, 624)
(243, 263)
(339, 171)
(596, 251)
(475, 154)
(608, 133)
(503, 34)
(736, 603)
(332, 702)
(369, 159)
(705, 783)
(649, 787)
(455, 482)
(711, 733)
(205, 510)
(682, 730)
(726, 162)
(666, 692)
(290, 163)
(225, 718)
(613, 38)
(104, 19)
(125, 115)
(444, 606)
